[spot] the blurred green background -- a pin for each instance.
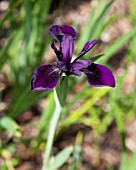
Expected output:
(99, 123)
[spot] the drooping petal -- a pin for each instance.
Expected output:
(45, 77)
(67, 48)
(57, 52)
(87, 47)
(57, 31)
(68, 30)
(99, 75)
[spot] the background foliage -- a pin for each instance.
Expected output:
(25, 116)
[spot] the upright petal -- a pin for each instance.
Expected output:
(67, 48)
(65, 29)
(57, 31)
(99, 75)
(87, 47)
(45, 77)
(57, 52)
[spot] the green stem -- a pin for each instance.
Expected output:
(52, 129)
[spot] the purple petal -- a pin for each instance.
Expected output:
(68, 30)
(45, 77)
(99, 75)
(80, 64)
(61, 65)
(57, 31)
(67, 48)
(76, 72)
(75, 67)
(57, 52)
(87, 47)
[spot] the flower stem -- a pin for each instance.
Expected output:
(52, 129)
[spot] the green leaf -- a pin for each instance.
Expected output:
(98, 24)
(114, 47)
(9, 124)
(46, 117)
(94, 58)
(60, 158)
(93, 28)
(132, 162)
(62, 90)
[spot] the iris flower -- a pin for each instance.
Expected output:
(46, 77)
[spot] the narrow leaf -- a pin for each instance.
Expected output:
(61, 158)
(9, 124)
(62, 89)
(113, 48)
(94, 58)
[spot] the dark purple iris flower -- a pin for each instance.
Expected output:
(46, 77)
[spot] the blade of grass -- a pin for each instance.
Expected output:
(113, 48)
(94, 24)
